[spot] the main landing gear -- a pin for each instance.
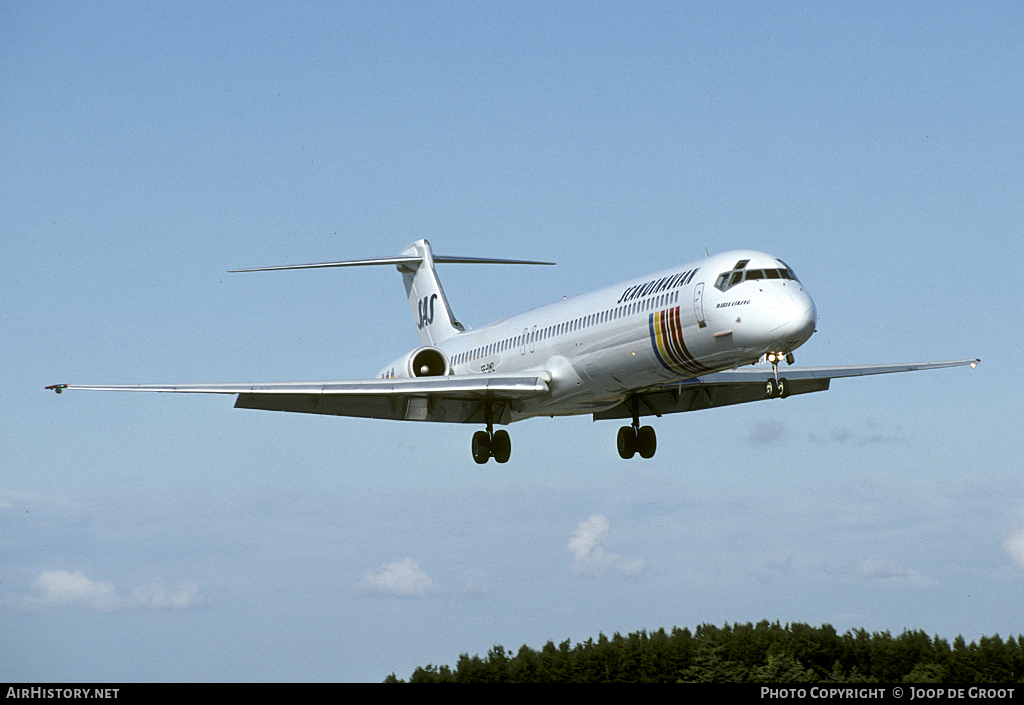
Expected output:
(490, 443)
(636, 438)
(633, 439)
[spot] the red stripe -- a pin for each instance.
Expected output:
(680, 344)
(670, 336)
(666, 337)
(691, 360)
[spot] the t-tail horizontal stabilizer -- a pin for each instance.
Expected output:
(430, 309)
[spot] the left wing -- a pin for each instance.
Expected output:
(453, 399)
(746, 385)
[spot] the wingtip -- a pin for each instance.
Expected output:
(58, 387)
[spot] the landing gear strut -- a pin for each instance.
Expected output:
(777, 388)
(636, 438)
(490, 443)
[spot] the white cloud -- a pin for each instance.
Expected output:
(474, 582)
(1014, 547)
(589, 556)
(880, 569)
(64, 587)
(159, 596)
(400, 578)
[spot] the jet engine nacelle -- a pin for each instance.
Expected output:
(425, 362)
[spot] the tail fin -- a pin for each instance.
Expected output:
(429, 305)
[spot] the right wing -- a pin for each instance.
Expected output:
(452, 399)
(740, 386)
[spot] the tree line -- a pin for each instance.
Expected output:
(744, 653)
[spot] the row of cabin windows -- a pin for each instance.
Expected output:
(566, 327)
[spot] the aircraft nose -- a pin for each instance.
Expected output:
(795, 317)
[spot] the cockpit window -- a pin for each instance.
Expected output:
(792, 274)
(727, 280)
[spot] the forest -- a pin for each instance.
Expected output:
(743, 653)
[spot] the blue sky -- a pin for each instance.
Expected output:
(149, 148)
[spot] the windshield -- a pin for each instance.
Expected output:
(739, 273)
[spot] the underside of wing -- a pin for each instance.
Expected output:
(751, 384)
(452, 399)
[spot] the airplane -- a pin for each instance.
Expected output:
(678, 340)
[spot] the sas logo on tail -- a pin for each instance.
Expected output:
(427, 310)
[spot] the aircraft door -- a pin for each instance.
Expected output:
(698, 304)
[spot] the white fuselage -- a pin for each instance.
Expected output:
(716, 313)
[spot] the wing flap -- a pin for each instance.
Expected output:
(453, 399)
(692, 397)
(742, 386)
(436, 408)
(803, 373)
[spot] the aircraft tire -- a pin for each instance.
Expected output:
(646, 442)
(783, 388)
(481, 447)
(771, 389)
(501, 446)
(626, 442)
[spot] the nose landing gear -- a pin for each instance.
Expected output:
(777, 388)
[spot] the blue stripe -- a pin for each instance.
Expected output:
(654, 343)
